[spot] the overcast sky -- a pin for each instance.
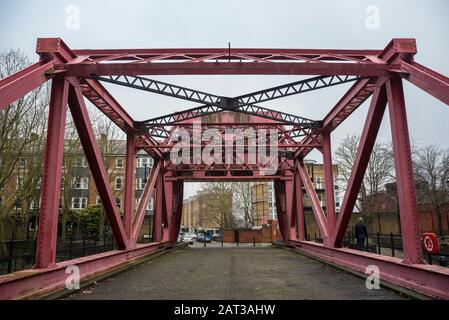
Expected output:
(274, 24)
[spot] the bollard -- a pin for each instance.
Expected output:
(222, 242)
(392, 244)
(204, 243)
(378, 243)
(10, 255)
(429, 258)
(254, 241)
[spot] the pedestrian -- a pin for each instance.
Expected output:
(360, 234)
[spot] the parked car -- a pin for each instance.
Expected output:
(188, 238)
(216, 237)
(203, 237)
(180, 238)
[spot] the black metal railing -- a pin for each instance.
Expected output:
(18, 255)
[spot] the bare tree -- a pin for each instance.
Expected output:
(379, 171)
(22, 127)
(431, 164)
(110, 142)
(242, 202)
(217, 198)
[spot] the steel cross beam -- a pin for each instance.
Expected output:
(243, 103)
(171, 90)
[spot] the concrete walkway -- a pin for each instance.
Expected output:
(246, 272)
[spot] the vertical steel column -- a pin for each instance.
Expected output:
(51, 176)
(157, 220)
(289, 189)
(178, 192)
(329, 183)
(128, 206)
(168, 225)
(404, 172)
(280, 208)
(299, 206)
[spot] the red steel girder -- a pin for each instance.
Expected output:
(367, 140)
(96, 165)
(428, 80)
(429, 280)
(203, 54)
(18, 84)
(364, 69)
(408, 210)
(51, 175)
(143, 204)
(320, 217)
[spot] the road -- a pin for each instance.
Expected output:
(246, 272)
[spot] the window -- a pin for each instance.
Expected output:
(22, 163)
(35, 204)
(79, 203)
(140, 183)
(149, 206)
(144, 161)
(118, 202)
(81, 183)
(98, 201)
(80, 163)
(119, 163)
(118, 183)
(19, 182)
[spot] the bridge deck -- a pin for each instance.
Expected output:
(246, 272)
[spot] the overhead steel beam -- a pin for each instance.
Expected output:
(293, 88)
(171, 90)
(364, 69)
(180, 116)
(163, 88)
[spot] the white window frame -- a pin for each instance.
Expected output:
(83, 183)
(82, 203)
(119, 178)
(118, 202)
(141, 161)
(121, 161)
(140, 183)
(33, 204)
(80, 163)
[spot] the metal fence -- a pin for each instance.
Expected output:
(386, 244)
(21, 254)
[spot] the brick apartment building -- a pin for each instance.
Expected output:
(82, 192)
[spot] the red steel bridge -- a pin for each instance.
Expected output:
(78, 75)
